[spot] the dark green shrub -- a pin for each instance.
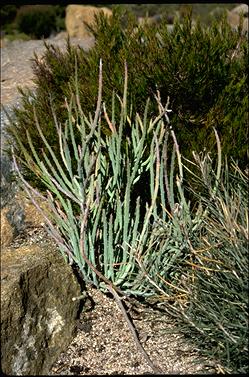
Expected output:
(60, 11)
(7, 18)
(195, 67)
(7, 14)
(230, 117)
(38, 21)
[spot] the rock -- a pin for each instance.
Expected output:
(60, 35)
(233, 17)
(216, 13)
(38, 315)
(78, 15)
(12, 214)
(17, 211)
(245, 25)
(149, 20)
(32, 217)
(7, 185)
(6, 229)
(18, 215)
(241, 9)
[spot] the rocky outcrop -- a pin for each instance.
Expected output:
(37, 311)
(77, 16)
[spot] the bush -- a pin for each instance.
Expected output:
(208, 280)
(92, 189)
(37, 21)
(17, 18)
(7, 18)
(7, 14)
(195, 67)
(188, 259)
(228, 115)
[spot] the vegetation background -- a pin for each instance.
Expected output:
(12, 28)
(194, 246)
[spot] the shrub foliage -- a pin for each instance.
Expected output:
(37, 21)
(199, 68)
(188, 258)
(116, 180)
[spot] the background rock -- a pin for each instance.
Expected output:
(37, 311)
(233, 17)
(78, 15)
(149, 20)
(242, 8)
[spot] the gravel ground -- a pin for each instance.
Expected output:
(16, 66)
(104, 344)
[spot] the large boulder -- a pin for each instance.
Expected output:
(38, 315)
(234, 15)
(77, 16)
(241, 9)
